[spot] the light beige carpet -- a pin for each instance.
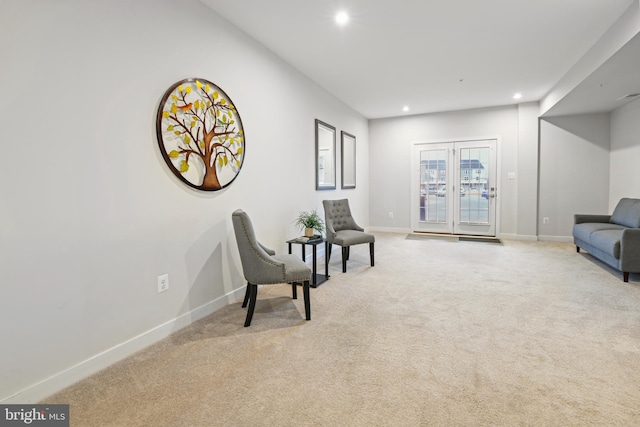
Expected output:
(441, 333)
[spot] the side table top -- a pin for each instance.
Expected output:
(307, 240)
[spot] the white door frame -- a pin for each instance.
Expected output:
(415, 186)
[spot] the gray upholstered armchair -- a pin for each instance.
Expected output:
(261, 266)
(342, 230)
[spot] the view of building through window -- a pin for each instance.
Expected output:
(471, 186)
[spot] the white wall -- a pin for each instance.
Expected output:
(90, 214)
(625, 153)
(574, 171)
(390, 156)
(527, 176)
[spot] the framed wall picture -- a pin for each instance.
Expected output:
(325, 156)
(200, 134)
(348, 155)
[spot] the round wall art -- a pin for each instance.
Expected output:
(200, 134)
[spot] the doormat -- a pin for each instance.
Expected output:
(452, 238)
(449, 238)
(479, 239)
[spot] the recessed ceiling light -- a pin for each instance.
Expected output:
(342, 18)
(517, 96)
(405, 108)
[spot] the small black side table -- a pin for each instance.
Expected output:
(316, 278)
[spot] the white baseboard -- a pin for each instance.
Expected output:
(561, 239)
(391, 229)
(41, 390)
(529, 238)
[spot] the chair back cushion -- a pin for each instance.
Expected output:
(257, 265)
(627, 213)
(338, 215)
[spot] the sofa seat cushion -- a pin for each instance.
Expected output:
(586, 229)
(607, 241)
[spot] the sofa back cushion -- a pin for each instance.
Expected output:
(627, 213)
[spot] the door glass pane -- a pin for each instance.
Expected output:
(474, 185)
(433, 175)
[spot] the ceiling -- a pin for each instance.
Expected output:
(609, 87)
(429, 55)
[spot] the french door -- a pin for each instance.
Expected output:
(454, 187)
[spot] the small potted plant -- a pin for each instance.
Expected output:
(310, 221)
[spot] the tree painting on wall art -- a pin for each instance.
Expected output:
(200, 134)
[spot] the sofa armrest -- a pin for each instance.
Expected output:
(630, 250)
(581, 218)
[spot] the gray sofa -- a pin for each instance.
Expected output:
(613, 239)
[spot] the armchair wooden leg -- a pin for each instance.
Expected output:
(294, 287)
(625, 276)
(371, 253)
(252, 303)
(345, 256)
(328, 252)
(578, 249)
(246, 296)
(307, 301)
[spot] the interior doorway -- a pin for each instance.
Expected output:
(454, 187)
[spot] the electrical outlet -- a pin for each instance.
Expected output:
(545, 220)
(163, 283)
(390, 214)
